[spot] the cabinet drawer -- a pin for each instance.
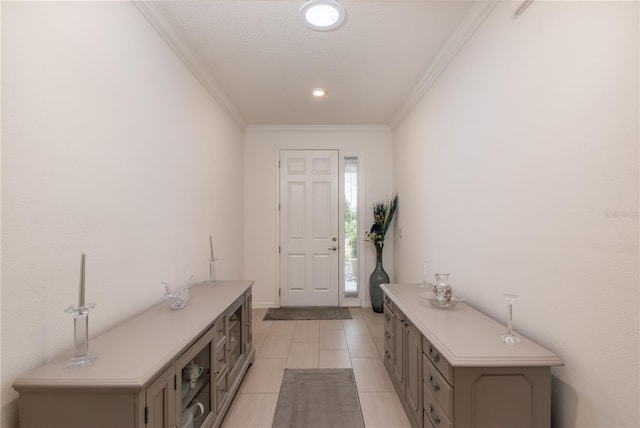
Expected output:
(388, 302)
(218, 328)
(221, 391)
(433, 412)
(388, 325)
(440, 389)
(438, 360)
(219, 363)
(388, 358)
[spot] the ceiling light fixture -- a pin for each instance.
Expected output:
(322, 15)
(318, 92)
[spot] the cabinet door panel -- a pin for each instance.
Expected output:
(398, 355)
(160, 401)
(488, 397)
(74, 408)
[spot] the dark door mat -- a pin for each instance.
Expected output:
(307, 313)
(318, 398)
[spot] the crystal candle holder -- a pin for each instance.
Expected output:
(81, 355)
(424, 283)
(510, 338)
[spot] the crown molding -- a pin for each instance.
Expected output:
(470, 23)
(189, 59)
(317, 128)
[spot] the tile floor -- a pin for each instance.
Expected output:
(357, 343)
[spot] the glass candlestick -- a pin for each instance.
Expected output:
(424, 283)
(81, 355)
(212, 272)
(510, 338)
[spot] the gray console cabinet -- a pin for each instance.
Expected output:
(137, 380)
(465, 375)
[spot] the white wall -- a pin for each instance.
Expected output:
(112, 147)
(262, 145)
(518, 172)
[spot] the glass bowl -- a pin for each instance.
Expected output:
(177, 299)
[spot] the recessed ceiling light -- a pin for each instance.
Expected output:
(322, 15)
(318, 92)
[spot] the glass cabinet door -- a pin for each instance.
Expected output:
(194, 389)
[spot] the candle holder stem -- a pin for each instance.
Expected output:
(212, 272)
(81, 355)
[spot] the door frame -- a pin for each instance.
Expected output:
(361, 300)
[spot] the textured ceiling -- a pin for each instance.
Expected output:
(264, 61)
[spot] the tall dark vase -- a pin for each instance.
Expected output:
(378, 276)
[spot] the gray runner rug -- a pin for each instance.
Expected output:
(318, 398)
(308, 313)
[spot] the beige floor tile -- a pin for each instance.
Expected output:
(264, 375)
(262, 408)
(275, 347)
(307, 331)
(376, 331)
(371, 317)
(282, 328)
(362, 347)
(259, 334)
(355, 327)
(331, 325)
(262, 324)
(303, 356)
(332, 339)
(382, 410)
(334, 359)
(371, 376)
(374, 319)
(258, 314)
(356, 313)
(380, 347)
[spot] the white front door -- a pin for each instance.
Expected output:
(309, 219)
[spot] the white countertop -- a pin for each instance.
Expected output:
(132, 353)
(465, 336)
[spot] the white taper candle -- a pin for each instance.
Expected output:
(82, 286)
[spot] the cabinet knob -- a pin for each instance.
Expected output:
(433, 354)
(434, 385)
(432, 413)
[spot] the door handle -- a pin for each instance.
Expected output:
(333, 248)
